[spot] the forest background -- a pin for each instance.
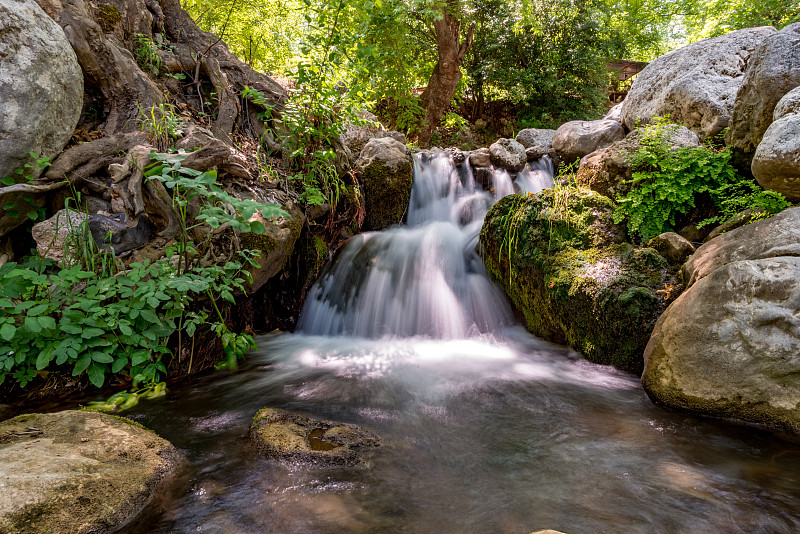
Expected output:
(490, 67)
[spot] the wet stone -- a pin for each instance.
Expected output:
(294, 437)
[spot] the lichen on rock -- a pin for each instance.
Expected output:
(567, 268)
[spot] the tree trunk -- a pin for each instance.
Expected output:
(447, 72)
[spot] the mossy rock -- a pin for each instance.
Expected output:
(385, 172)
(293, 437)
(78, 472)
(566, 267)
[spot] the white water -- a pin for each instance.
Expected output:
(485, 428)
(425, 278)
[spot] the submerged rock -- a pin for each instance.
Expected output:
(293, 437)
(576, 139)
(564, 264)
(772, 71)
(695, 85)
(730, 346)
(386, 174)
(78, 472)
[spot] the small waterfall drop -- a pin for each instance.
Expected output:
(426, 278)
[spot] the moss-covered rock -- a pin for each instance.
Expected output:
(386, 173)
(568, 270)
(78, 472)
(294, 437)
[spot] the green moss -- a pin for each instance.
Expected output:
(107, 16)
(263, 243)
(570, 272)
(386, 195)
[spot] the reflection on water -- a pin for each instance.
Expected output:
(500, 433)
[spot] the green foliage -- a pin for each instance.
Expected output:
(161, 124)
(147, 54)
(25, 205)
(668, 182)
(104, 322)
(710, 18)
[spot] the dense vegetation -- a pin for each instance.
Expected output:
(536, 62)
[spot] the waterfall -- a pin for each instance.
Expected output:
(424, 278)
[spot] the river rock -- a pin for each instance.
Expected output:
(276, 245)
(41, 86)
(730, 346)
(607, 170)
(772, 71)
(76, 472)
(294, 437)
(386, 174)
(672, 247)
(480, 158)
(53, 235)
(768, 238)
(576, 139)
(695, 85)
(776, 163)
(537, 141)
(508, 154)
(572, 276)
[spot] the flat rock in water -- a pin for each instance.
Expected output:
(76, 472)
(294, 437)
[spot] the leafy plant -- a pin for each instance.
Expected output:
(161, 124)
(668, 182)
(147, 54)
(120, 320)
(25, 205)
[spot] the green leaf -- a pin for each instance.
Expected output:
(119, 364)
(102, 357)
(97, 375)
(139, 357)
(33, 325)
(47, 322)
(7, 331)
(81, 365)
(37, 310)
(89, 333)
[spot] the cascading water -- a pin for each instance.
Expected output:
(425, 278)
(485, 428)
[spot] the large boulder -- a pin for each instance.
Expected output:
(277, 244)
(695, 85)
(293, 437)
(608, 170)
(386, 175)
(776, 163)
(565, 266)
(576, 139)
(537, 141)
(772, 71)
(768, 238)
(508, 154)
(41, 86)
(730, 346)
(78, 472)
(356, 136)
(480, 158)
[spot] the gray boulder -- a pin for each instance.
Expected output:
(386, 174)
(768, 238)
(293, 437)
(576, 139)
(480, 158)
(776, 163)
(607, 170)
(696, 85)
(615, 113)
(508, 154)
(672, 247)
(730, 346)
(55, 236)
(537, 141)
(41, 86)
(77, 472)
(772, 71)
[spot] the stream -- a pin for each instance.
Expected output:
(484, 428)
